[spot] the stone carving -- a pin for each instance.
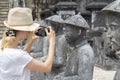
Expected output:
(112, 13)
(112, 7)
(61, 52)
(80, 63)
(100, 42)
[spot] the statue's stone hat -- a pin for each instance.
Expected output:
(112, 7)
(43, 23)
(55, 18)
(78, 21)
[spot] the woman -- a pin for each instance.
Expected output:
(15, 64)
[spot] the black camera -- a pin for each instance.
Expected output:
(41, 32)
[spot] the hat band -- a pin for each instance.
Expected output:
(19, 25)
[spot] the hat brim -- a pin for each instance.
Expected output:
(31, 27)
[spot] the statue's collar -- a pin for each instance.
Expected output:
(81, 43)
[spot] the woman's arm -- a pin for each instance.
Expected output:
(28, 45)
(36, 65)
(31, 38)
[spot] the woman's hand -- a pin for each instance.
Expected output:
(30, 39)
(34, 36)
(45, 66)
(50, 34)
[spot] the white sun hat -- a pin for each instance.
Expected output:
(20, 19)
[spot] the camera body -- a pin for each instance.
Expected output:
(41, 32)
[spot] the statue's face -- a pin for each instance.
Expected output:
(71, 33)
(113, 31)
(113, 35)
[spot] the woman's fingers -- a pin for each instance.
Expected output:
(36, 29)
(48, 30)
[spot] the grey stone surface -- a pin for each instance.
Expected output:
(107, 45)
(55, 18)
(80, 62)
(77, 20)
(112, 7)
(113, 38)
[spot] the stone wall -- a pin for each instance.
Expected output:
(4, 7)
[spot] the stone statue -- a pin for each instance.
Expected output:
(80, 63)
(112, 12)
(60, 52)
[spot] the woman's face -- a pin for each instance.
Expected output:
(22, 34)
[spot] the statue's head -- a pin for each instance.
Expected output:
(74, 28)
(72, 33)
(112, 12)
(56, 22)
(113, 29)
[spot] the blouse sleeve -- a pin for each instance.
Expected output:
(0, 43)
(21, 62)
(24, 59)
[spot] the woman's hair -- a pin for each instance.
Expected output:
(8, 38)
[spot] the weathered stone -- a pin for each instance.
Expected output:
(112, 23)
(55, 18)
(77, 20)
(112, 7)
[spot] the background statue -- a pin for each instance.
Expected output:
(80, 64)
(112, 12)
(60, 50)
